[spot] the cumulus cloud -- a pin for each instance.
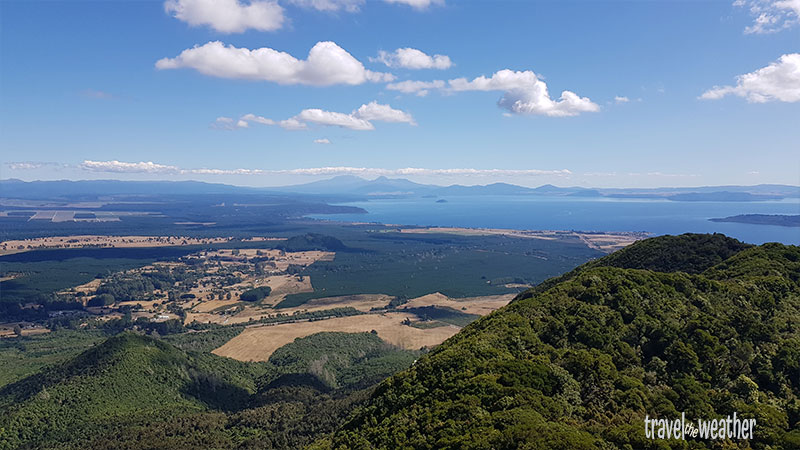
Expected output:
(360, 119)
(411, 58)
(228, 16)
(292, 124)
(29, 165)
(621, 99)
(227, 123)
(523, 93)
(288, 124)
(34, 165)
(150, 167)
(330, 5)
(779, 81)
(23, 165)
(383, 113)
(420, 88)
(771, 16)
(324, 141)
(154, 168)
(417, 4)
(331, 118)
(327, 64)
(127, 167)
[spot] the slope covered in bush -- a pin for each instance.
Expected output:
(690, 253)
(126, 378)
(580, 365)
(136, 392)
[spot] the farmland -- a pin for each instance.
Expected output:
(245, 296)
(258, 343)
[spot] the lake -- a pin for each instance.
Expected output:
(559, 213)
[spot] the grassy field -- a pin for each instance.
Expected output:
(258, 343)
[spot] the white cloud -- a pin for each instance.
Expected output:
(33, 165)
(321, 117)
(324, 141)
(779, 81)
(292, 124)
(150, 167)
(771, 16)
(417, 4)
(127, 167)
(327, 64)
(360, 119)
(621, 99)
(525, 93)
(420, 88)
(24, 165)
(383, 113)
(411, 58)
(330, 5)
(257, 119)
(228, 16)
(227, 123)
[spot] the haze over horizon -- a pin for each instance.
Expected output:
(268, 93)
(303, 181)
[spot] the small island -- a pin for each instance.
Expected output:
(441, 201)
(763, 219)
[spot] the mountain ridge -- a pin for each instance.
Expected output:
(384, 187)
(580, 364)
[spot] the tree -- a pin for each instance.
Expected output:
(18, 330)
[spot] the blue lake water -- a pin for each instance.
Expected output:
(559, 213)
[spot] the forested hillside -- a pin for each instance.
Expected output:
(698, 324)
(133, 391)
(578, 364)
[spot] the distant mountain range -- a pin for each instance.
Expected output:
(352, 187)
(383, 187)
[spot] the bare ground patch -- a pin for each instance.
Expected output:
(361, 302)
(257, 343)
(471, 305)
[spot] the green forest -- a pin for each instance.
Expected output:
(701, 324)
(696, 324)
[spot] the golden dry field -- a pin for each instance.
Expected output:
(257, 343)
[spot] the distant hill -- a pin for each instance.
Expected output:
(126, 378)
(580, 364)
(691, 253)
(348, 187)
(383, 187)
(137, 392)
(722, 196)
(763, 219)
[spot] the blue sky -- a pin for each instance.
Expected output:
(656, 101)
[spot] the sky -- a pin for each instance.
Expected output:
(276, 92)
